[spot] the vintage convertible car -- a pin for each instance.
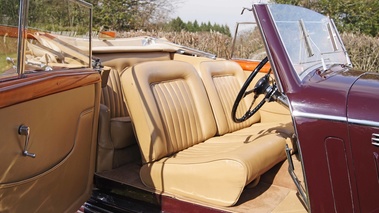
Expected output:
(145, 125)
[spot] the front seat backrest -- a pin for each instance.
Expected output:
(223, 80)
(168, 106)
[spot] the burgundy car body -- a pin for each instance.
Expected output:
(333, 108)
(336, 120)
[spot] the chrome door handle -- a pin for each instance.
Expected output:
(375, 139)
(25, 130)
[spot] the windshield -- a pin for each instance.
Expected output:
(247, 42)
(310, 39)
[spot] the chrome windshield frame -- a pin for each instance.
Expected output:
(90, 7)
(22, 20)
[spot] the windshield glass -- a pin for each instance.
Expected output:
(310, 39)
(248, 43)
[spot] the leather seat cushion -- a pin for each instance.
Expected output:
(217, 170)
(176, 132)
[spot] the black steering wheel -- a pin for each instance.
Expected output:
(263, 86)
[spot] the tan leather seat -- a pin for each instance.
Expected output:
(176, 131)
(116, 141)
(223, 80)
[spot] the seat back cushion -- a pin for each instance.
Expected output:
(111, 95)
(223, 80)
(169, 107)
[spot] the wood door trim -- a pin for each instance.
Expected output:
(36, 85)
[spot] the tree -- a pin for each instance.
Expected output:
(189, 27)
(122, 15)
(116, 15)
(360, 16)
(196, 26)
(9, 12)
(177, 25)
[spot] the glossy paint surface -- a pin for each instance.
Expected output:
(362, 111)
(335, 113)
(319, 111)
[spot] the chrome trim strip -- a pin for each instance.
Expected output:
(90, 7)
(231, 56)
(319, 116)
(363, 122)
(278, 83)
(21, 43)
(335, 118)
(375, 139)
(83, 3)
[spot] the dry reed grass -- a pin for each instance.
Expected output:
(212, 42)
(363, 50)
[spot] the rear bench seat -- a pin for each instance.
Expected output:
(116, 142)
(189, 149)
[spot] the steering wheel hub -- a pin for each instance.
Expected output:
(263, 87)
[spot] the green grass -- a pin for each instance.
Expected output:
(4, 65)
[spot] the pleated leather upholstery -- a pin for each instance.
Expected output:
(115, 133)
(112, 95)
(169, 107)
(177, 107)
(223, 80)
(116, 141)
(176, 132)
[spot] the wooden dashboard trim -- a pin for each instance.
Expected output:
(12, 31)
(250, 65)
(36, 85)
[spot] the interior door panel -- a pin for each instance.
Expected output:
(60, 110)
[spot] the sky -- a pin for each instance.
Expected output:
(216, 11)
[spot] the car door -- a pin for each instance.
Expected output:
(362, 111)
(48, 118)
